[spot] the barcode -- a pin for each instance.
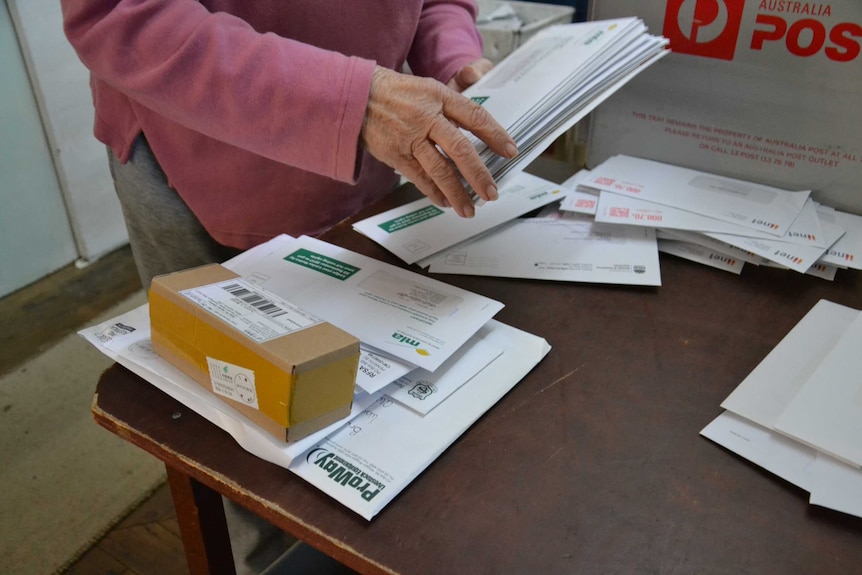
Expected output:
(254, 299)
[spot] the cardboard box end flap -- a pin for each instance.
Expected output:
(292, 385)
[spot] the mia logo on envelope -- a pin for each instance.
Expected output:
(708, 28)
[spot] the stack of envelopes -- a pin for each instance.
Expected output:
(432, 361)
(721, 221)
(556, 78)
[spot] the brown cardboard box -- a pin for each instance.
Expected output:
(291, 376)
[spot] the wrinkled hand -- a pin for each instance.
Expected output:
(408, 117)
(470, 74)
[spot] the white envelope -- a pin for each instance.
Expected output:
(836, 485)
(579, 202)
(556, 78)
(721, 247)
(615, 208)
(831, 483)
(407, 315)
(422, 391)
(847, 251)
(420, 229)
(772, 451)
(377, 370)
(754, 206)
(701, 255)
(570, 247)
(770, 387)
(797, 257)
(366, 463)
(826, 413)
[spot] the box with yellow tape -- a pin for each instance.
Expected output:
(286, 370)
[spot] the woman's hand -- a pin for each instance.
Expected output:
(412, 125)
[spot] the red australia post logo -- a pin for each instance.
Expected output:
(708, 28)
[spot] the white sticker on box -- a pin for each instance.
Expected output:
(256, 312)
(233, 382)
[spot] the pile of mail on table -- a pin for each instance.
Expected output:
(723, 222)
(608, 224)
(799, 413)
(432, 362)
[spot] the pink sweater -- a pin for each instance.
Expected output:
(254, 107)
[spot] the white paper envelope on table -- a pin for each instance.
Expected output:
(772, 451)
(754, 206)
(826, 413)
(822, 271)
(409, 316)
(836, 485)
(797, 257)
(700, 239)
(771, 386)
(702, 255)
(806, 230)
(422, 390)
(377, 370)
(366, 463)
(580, 202)
(830, 483)
(847, 251)
(126, 340)
(567, 248)
(420, 229)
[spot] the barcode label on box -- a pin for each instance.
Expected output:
(259, 314)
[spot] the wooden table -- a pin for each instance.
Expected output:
(591, 464)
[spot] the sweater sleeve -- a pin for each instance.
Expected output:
(446, 39)
(213, 73)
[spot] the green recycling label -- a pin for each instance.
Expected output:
(323, 264)
(410, 219)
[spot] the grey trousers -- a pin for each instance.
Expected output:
(165, 236)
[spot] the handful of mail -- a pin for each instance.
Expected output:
(432, 361)
(555, 79)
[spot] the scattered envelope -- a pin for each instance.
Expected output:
(754, 206)
(798, 414)
(565, 248)
(772, 451)
(831, 483)
(712, 244)
(577, 201)
(369, 461)
(836, 486)
(412, 317)
(422, 390)
(420, 229)
(847, 251)
(377, 370)
(701, 255)
(826, 413)
(770, 387)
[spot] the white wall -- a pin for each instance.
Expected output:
(35, 233)
(61, 85)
